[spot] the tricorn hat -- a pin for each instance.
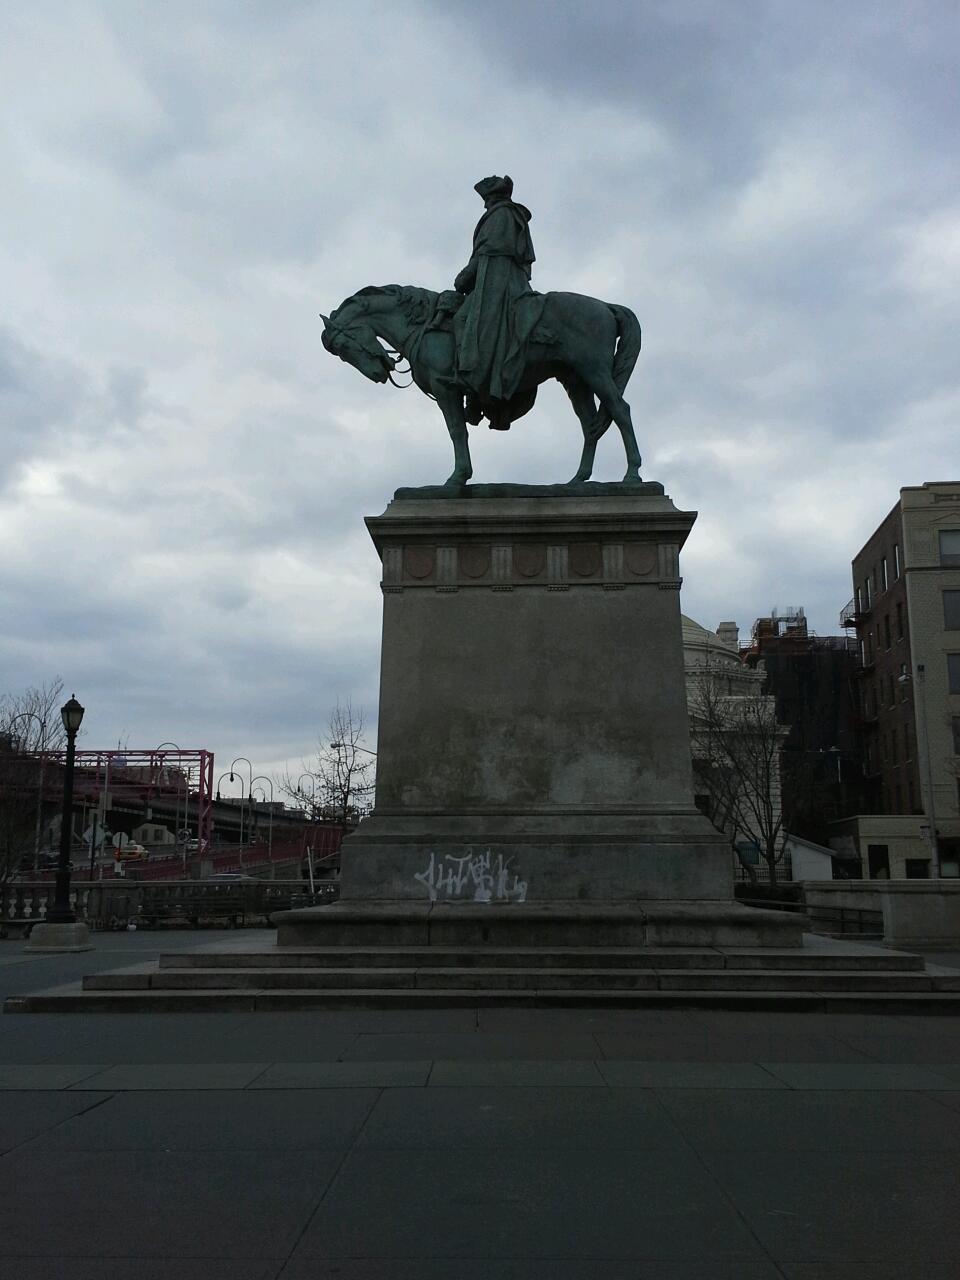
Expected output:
(494, 186)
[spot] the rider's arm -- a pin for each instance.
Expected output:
(468, 277)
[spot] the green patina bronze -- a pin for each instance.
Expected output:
(493, 326)
(483, 348)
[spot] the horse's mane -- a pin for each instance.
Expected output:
(416, 304)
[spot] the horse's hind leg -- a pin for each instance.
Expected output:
(585, 407)
(609, 395)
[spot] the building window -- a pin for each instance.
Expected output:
(886, 618)
(906, 743)
(859, 602)
(953, 672)
(956, 735)
(896, 561)
(917, 868)
(878, 861)
(899, 621)
(951, 610)
(883, 573)
(866, 589)
(895, 757)
(950, 547)
(896, 799)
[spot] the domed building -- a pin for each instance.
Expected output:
(735, 742)
(718, 651)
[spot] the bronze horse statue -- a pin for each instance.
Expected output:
(589, 346)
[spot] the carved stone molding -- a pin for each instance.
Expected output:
(530, 560)
(585, 559)
(640, 559)
(419, 561)
(474, 560)
(502, 564)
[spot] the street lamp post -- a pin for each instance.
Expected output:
(263, 778)
(230, 775)
(313, 793)
(61, 931)
(243, 760)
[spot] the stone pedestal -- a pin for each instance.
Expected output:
(49, 935)
(533, 741)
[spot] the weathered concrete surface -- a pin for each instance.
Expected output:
(50, 936)
(915, 912)
(551, 924)
(533, 741)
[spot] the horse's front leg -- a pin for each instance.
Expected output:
(450, 400)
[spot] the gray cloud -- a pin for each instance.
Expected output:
(773, 190)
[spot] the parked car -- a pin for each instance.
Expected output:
(131, 853)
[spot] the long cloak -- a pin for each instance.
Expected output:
(494, 324)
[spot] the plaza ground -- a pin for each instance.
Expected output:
(492, 1143)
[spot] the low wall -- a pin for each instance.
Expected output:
(113, 904)
(915, 912)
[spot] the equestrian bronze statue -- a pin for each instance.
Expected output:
(482, 349)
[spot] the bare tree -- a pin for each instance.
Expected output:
(343, 772)
(31, 719)
(737, 749)
(18, 807)
(30, 725)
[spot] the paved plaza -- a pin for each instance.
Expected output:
(408, 1145)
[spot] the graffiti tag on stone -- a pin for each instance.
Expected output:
(480, 877)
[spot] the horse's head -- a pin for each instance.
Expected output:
(355, 341)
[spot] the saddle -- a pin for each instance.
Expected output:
(499, 413)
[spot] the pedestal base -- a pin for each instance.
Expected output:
(554, 924)
(49, 936)
(531, 858)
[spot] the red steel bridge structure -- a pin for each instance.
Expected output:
(106, 779)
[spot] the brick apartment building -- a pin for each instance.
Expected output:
(906, 616)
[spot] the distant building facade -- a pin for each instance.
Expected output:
(721, 688)
(905, 614)
(814, 683)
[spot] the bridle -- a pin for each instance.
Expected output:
(387, 353)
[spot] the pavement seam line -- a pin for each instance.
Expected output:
(250, 1083)
(82, 1112)
(714, 1180)
(330, 1181)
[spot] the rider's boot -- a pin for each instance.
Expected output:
(473, 409)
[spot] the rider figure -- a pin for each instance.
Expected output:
(490, 334)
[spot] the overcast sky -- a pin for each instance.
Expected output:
(774, 189)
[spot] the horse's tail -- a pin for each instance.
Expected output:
(624, 361)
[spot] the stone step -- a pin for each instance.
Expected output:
(73, 999)
(542, 957)
(549, 979)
